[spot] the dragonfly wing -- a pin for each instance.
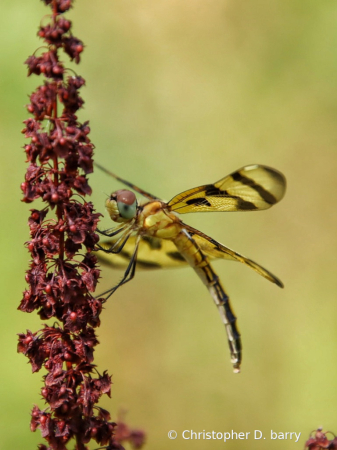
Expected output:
(153, 253)
(250, 188)
(213, 250)
(127, 183)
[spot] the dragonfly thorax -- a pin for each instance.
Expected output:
(122, 205)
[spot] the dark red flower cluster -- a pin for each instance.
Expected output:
(60, 280)
(320, 441)
(124, 434)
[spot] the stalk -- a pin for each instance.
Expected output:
(63, 272)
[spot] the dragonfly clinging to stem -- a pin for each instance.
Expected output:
(151, 235)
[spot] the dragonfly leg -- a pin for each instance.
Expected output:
(113, 233)
(117, 246)
(128, 275)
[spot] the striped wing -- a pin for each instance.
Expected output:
(250, 188)
(153, 253)
(213, 250)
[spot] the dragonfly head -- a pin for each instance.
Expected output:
(122, 205)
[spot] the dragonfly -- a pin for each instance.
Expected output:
(151, 235)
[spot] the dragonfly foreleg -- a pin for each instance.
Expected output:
(128, 275)
(115, 231)
(118, 245)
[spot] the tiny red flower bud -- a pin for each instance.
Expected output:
(28, 339)
(55, 198)
(93, 432)
(31, 246)
(44, 392)
(48, 289)
(73, 316)
(68, 356)
(63, 6)
(35, 413)
(43, 420)
(45, 241)
(64, 408)
(73, 228)
(62, 390)
(57, 70)
(48, 364)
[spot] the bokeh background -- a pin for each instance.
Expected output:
(181, 93)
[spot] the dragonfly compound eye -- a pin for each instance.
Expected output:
(126, 203)
(122, 205)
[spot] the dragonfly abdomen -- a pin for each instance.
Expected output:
(222, 301)
(195, 257)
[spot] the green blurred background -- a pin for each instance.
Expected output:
(181, 93)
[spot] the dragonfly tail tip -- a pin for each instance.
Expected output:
(236, 368)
